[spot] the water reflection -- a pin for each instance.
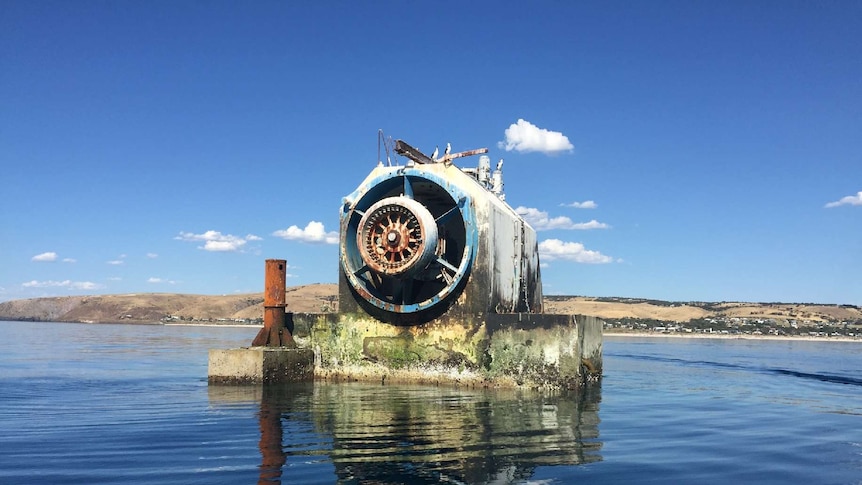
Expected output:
(272, 454)
(415, 434)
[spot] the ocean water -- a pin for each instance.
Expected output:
(130, 404)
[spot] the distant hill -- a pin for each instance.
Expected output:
(248, 308)
(636, 308)
(155, 307)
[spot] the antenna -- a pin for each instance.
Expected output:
(387, 146)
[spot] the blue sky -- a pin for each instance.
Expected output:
(713, 147)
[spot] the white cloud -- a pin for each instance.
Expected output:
(593, 224)
(587, 204)
(49, 256)
(849, 200)
(152, 255)
(85, 285)
(224, 246)
(70, 260)
(75, 285)
(314, 232)
(160, 280)
(551, 249)
(115, 262)
(525, 137)
(540, 221)
(216, 241)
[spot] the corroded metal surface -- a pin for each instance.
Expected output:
(483, 258)
(406, 277)
(274, 333)
(397, 236)
(402, 148)
(274, 283)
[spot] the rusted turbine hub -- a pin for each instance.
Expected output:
(397, 236)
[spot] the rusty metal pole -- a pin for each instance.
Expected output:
(274, 333)
(273, 300)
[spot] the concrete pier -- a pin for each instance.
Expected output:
(273, 356)
(521, 350)
(536, 351)
(260, 365)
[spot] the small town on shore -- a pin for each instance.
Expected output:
(710, 327)
(736, 326)
(705, 327)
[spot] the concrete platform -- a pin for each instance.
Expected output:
(511, 350)
(260, 365)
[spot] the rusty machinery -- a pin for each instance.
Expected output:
(275, 331)
(415, 237)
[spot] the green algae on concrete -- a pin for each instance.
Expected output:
(511, 350)
(349, 340)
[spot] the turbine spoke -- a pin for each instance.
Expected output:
(446, 215)
(447, 265)
(446, 276)
(361, 270)
(408, 188)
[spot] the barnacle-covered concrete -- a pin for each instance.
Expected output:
(525, 350)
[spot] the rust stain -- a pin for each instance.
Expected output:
(274, 333)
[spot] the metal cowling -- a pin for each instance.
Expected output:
(408, 240)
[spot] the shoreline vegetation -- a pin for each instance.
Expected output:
(606, 333)
(719, 336)
(622, 334)
(612, 333)
(622, 316)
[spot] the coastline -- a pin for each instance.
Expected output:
(718, 336)
(233, 325)
(605, 333)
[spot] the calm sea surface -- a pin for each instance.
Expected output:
(130, 404)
